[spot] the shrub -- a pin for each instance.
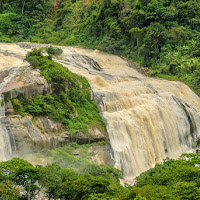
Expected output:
(69, 103)
(54, 51)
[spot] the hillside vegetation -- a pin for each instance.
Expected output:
(174, 180)
(163, 35)
(70, 102)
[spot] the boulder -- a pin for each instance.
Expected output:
(95, 135)
(80, 138)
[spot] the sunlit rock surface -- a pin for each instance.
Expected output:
(147, 119)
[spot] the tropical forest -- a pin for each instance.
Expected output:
(100, 99)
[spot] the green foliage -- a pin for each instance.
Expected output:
(17, 105)
(139, 198)
(21, 173)
(54, 51)
(55, 182)
(186, 190)
(8, 190)
(171, 180)
(145, 31)
(174, 179)
(18, 18)
(162, 35)
(64, 156)
(70, 102)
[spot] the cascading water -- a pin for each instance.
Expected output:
(7, 140)
(5, 146)
(147, 119)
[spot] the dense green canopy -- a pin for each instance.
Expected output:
(163, 35)
(160, 34)
(175, 180)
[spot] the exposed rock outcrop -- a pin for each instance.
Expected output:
(93, 135)
(147, 119)
(25, 135)
(101, 154)
(31, 139)
(24, 82)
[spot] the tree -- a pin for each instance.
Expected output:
(8, 190)
(1, 6)
(50, 179)
(23, 4)
(187, 190)
(23, 174)
(138, 197)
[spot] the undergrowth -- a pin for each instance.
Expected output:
(64, 156)
(70, 102)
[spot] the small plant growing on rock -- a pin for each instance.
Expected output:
(54, 51)
(70, 101)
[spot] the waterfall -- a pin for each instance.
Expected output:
(146, 134)
(147, 119)
(5, 146)
(7, 140)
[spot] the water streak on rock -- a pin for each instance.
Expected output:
(7, 139)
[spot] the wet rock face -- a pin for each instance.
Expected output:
(30, 137)
(98, 154)
(23, 135)
(24, 82)
(93, 135)
(19, 136)
(147, 119)
(101, 154)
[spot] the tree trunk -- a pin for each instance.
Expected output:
(23, 4)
